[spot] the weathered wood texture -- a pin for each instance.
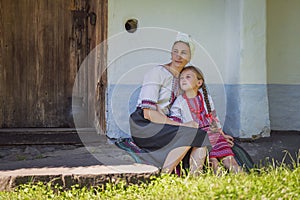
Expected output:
(100, 74)
(41, 49)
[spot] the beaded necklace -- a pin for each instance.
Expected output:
(199, 105)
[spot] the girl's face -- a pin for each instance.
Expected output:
(181, 54)
(189, 81)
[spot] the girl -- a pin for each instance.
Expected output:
(198, 106)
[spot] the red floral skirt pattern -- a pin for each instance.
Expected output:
(220, 147)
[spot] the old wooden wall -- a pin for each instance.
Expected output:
(42, 44)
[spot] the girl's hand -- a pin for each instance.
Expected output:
(229, 139)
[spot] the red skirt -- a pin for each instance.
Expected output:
(220, 147)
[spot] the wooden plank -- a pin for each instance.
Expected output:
(41, 136)
(8, 65)
(100, 73)
(2, 77)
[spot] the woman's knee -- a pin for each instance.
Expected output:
(201, 151)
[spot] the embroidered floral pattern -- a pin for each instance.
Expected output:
(175, 90)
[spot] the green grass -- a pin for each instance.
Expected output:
(268, 183)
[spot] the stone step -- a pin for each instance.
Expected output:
(95, 162)
(97, 175)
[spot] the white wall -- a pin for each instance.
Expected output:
(130, 55)
(283, 53)
(245, 70)
(233, 17)
(253, 42)
(283, 42)
(204, 20)
(230, 49)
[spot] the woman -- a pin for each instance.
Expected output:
(165, 141)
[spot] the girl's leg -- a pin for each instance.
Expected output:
(174, 158)
(215, 165)
(197, 159)
(230, 163)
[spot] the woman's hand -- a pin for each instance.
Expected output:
(159, 117)
(191, 124)
(159, 110)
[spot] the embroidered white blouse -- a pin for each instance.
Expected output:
(159, 89)
(181, 111)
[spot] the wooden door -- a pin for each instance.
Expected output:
(42, 45)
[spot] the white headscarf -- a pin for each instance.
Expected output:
(183, 37)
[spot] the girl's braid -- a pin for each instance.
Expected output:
(205, 93)
(213, 123)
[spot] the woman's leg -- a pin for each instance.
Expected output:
(197, 159)
(173, 158)
(230, 163)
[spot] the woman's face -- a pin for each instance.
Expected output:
(181, 54)
(189, 81)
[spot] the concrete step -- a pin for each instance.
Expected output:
(96, 161)
(97, 175)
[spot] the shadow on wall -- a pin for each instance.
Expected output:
(122, 101)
